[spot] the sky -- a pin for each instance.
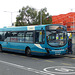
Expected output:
(54, 7)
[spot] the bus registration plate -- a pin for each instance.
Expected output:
(57, 53)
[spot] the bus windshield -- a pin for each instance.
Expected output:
(56, 37)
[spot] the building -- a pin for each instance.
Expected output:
(69, 21)
(65, 19)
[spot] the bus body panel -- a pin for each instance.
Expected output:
(36, 48)
(58, 50)
(20, 47)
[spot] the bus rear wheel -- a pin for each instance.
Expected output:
(28, 52)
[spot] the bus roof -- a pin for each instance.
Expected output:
(23, 28)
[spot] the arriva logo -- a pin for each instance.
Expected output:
(31, 28)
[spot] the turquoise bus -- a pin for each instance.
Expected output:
(50, 39)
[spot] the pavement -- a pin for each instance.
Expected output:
(70, 55)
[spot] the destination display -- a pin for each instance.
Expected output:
(55, 28)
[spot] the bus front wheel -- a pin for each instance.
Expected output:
(28, 52)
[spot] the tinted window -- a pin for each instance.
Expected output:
(1, 36)
(13, 36)
(29, 37)
(7, 36)
(20, 37)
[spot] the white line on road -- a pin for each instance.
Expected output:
(26, 68)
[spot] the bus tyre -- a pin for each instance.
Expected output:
(28, 52)
(0, 48)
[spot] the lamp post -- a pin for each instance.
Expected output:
(41, 17)
(11, 14)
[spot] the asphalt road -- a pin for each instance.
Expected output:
(19, 64)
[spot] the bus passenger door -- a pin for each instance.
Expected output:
(39, 41)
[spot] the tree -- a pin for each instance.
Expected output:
(29, 16)
(46, 18)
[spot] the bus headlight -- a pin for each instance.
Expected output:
(66, 48)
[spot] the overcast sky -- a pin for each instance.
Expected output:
(54, 7)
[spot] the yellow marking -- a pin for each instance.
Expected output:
(23, 56)
(35, 58)
(5, 53)
(49, 61)
(13, 54)
(65, 57)
(73, 58)
(66, 64)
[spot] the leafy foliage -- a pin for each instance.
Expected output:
(29, 16)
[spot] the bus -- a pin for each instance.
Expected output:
(50, 39)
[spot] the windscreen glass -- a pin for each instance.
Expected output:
(56, 37)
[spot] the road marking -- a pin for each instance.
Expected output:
(4, 53)
(66, 64)
(14, 55)
(35, 58)
(63, 69)
(49, 61)
(23, 56)
(73, 58)
(26, 68)
(60, 70)
(65, 57)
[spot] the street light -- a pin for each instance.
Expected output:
(40, 10)
(11, 15)
(41, 17)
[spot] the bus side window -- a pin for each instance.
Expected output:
(1, 33)
(7, 36)
(20, 36)
(29, 37)
(14, 37)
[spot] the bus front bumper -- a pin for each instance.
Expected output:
(58, 52)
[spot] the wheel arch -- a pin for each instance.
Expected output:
(0, 45)
(27, 48)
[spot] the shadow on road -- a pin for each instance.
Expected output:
(34, 56)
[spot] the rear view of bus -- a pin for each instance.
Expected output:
(56, 36)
